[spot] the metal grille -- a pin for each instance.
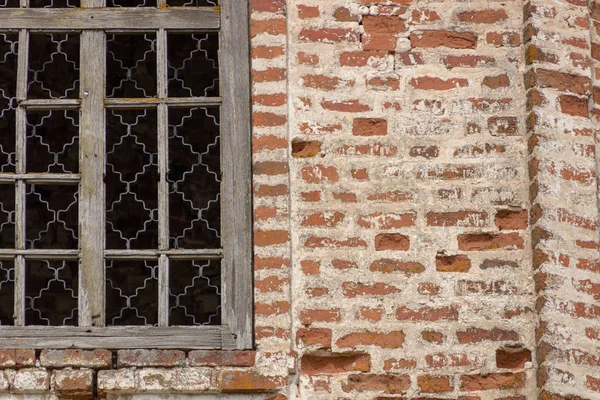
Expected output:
(131, 66)
(53, 141)
(131, 180)
(111, 160)
(194, 178)
(132, 292)
(8, 101)
(54, 70)
(51, 292)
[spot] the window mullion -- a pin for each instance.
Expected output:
(163, 188)
(20, 153)
(92, 167)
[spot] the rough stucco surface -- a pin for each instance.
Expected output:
(426, 212)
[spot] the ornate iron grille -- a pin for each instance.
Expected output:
(119, 158)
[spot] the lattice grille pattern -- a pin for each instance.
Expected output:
(54, 3)
(132, 179)
(7, 216)
(8, 87)
(51, 292)
(131, 3)
(190, 144)
(194, 292)
(131, 65)
(7, 292)
(131, 292)
(51, 221)
(193, 65)
(53, 66)
(194, 178)
(193, 3)
(53, 141)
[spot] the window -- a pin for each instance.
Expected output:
(125, 174)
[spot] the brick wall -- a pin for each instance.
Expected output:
(426, 212)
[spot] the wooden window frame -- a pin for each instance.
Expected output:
(231, 20)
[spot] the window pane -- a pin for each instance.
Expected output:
(131, 66)
(8, 101)
(51, 221)
(9, 3)
(195, 292)
(130, 3)
(51, 289)
(194, 178)
(131, 292)
(53, 141)
(7, 292)
(131, 180)
(193, 3)
(193, 65)
(53, 66)
(54, 3)
(7, 216)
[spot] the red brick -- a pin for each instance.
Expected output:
(248, 381)
(490, 241)
(270, 238)
(492, 381)
(395, 364)
(478, 335)
(434, 83)
(392, 241)
(272, 6)
(433, 337)
(457, 218)
(328, 35)
(513, 357)
(497, 81)
(573, 105)
(221, 358)
(271, 26)
(308, 12)
(389, 266)
(150, 358)
(335, 363)
(456, 263)
(425, 313)
(386, 25)
(320, 337)
(354, 289)
(74, 383)
(308, 317)
(512, 219)
(369, 127)
(374, 382)
(434, 384)
(351, 106)
(270, 168)
(267, 119)
(442, 38)
(76, 358)
(488, 16)
(390, 340)
(17, 358)
(315, 242)
(329, 219)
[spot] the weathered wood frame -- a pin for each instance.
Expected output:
(232, 21)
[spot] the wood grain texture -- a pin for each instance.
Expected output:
(236, 139)
(112, 19)
(132, 337)
(91, 191)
